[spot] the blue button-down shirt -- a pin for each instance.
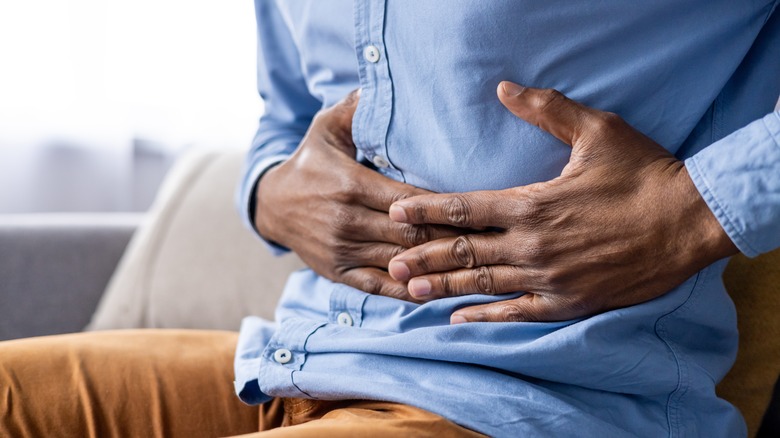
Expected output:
(687, 74)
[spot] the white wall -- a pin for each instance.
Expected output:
(96, 96)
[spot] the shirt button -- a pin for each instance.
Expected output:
(282, 356)
(380, 162)
(371, 54)
(344, 318)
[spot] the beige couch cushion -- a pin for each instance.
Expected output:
(192, 264)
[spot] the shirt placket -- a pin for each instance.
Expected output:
(372, 118)
(346, 306)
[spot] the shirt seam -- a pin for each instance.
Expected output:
(720, 209)
(674, 398)
(774, 135)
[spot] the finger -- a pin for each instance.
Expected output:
(376, 282)
(337, 122)
(377, 227)
(374, 254)
(548, 109)
(484, 280)
(380, 192)
(527, 308)
(344, 111)
(462, 210)
(446, 254)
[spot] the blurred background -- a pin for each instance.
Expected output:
(98, 97)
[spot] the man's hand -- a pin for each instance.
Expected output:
(623, 224)
(332, 211)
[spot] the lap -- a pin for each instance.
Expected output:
(170, 383)
(358, 418)
(122, 383)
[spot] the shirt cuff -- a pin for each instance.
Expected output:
(739, 179)
(247, 204)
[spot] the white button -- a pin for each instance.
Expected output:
(371, 54)
(380, 162)
(344, 318)
(282, 355)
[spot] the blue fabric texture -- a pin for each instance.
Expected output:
(691, 75)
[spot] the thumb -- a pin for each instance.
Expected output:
(546, 108)
(338, 121)
(345, 109)
(527, 308)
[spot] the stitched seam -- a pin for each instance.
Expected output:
(771, 11)
(300, 367)
(682, 384)
(292, 380)
(775, 135)
(721, 209)
(717, 117)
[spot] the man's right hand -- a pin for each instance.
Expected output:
(332, 211)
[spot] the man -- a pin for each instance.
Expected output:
(425, 205)
(616, 225)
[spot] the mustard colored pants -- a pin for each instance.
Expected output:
(170, 383)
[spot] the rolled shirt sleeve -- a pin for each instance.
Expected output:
(739, 178)
(289, 107)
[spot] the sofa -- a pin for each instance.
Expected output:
(190, 263)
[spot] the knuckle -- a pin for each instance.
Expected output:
(608, 121)
(528, 208)
(423, 262)
(447, 283)
(320, 117)
(547, 97)
(382, 255)
(483, 280)
(344, 219)
(414, 235)
(533, 249)
(394, 252)
(348, 189)
(372, 285)
(580, 306)
(513, 312)
(341, 250)
(352, 98)
(457, 211)
(394, 291)
(462, 252)
(396, 196)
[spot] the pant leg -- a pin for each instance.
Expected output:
(144, 383)
(360, 418)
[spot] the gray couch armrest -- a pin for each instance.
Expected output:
(55, 267)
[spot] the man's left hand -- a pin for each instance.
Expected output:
(621, 225)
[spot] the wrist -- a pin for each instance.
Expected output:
(707, 242)
(263, 198)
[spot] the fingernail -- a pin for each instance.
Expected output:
(457, 319)
(399, 270)
(511, 89)
(397, 213)
(419, 287)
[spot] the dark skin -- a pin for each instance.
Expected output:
(333, 211)
(621, 225)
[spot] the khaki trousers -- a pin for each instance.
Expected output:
(170, 383)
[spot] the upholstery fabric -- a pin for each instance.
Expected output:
(55, 267)
(193, 264)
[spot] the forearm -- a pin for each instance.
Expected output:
(739, 179)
